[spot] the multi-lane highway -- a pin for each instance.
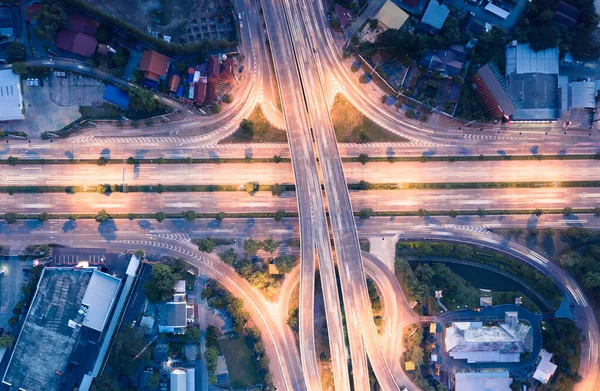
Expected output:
(271, 173)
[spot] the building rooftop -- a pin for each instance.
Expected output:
(50, 332)
(180, 286)
(178, 380)
(11, 100)
(545, 369)
(83, 25)
(483, 381)
(494, 92)
(520, 58)
(583, 95)
(116, 96)
(154, 65)
(435, 15)
(448, 62)
(477, 343)
(537, 96)
(76, 42)
(161, 352)
(99, 297)
(391, 16)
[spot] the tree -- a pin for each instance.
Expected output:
(246, 130)
(116, 188)
(278, 215)
(6, 341)
(206, 245)
(19, 68)
(154, 380)
(597, 211)
(160, 188)
(139, 254)
(12, 161)
(107, 382)
(270, 246)
(161, 285)
(220, 216)
(211, 355)
(481, 213)
(15, 51)
(252, 246)
(538, 212)
(548, 231)
(102, 161)
(354, 67)
(160, 216)
(423, 212)
(10, 217)
(216, 108)
(250, 187)
(366, 213)
(132, 160)
(463, 251)
(13, 320)
(453, 213)
(363, 158)
(192, 333)
(567, 211)
(189, 215)
(363, 185)
(277, 190)
(362, 79)
(50, 18)
(43, 217)
(227, 98)
(142, 100)
(534, 232)
(284, 263)
(277, 159)
(102, 189)
(213, 333)
(228, 256)
(127, 346)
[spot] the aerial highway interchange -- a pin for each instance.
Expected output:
(309, 71)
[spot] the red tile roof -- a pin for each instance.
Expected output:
(32, 10)
(211, 89)
(83, 25)
(199, 92)
(227, 70)
(154, 65)
(73, 41)
(213, 66)
(174, 83)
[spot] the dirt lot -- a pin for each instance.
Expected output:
(185, 21)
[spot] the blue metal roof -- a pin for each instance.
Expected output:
(116, 96)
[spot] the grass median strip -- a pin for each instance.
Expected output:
(278, 189)
(13, 161)
(10, 217)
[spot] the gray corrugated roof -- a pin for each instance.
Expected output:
(176, 314)
(520, 58)
(583, 94)
(99, 297)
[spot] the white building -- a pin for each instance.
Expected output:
(11, 99)
(545, 369)
(482, 381)
(178, 380)
(474, 342)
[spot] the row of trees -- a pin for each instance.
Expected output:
(220, 299)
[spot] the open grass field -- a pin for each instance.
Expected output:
(240, 365)
(263, 131)
(352, 127)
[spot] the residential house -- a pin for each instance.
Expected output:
(434, 17)
(83, 25)
(9, 21)
(390, 16)
(447, 62)
(76, 42)
(544, 368)
(154, 65)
